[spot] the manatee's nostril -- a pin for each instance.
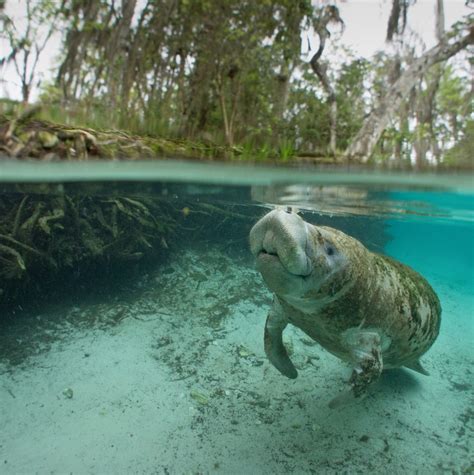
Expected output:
(288, 209)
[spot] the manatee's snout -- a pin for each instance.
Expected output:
(281, 237)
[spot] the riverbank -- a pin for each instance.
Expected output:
(25, 137)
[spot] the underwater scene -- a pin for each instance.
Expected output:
(133, 321)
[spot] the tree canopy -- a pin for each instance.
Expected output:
(232, 73)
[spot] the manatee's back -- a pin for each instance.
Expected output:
(412, 307)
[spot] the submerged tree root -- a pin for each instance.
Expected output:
(43, 235)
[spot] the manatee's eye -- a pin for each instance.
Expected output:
(329, 250)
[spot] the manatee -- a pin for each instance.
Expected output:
(365, 308)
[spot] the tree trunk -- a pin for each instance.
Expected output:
(283, 90)
(321, 72)
(363, 144)
(439, 19)
(329, 14)
(220, 92)
(333, 125)
(76, 44)
(425, 114)
(117, 51)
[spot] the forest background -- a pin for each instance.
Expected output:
(259, 80)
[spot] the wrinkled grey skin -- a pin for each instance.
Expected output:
(364, 308)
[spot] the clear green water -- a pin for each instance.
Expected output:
(156, 365)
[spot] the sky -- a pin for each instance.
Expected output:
(365, 20)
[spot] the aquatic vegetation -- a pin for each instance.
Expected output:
(49, 234)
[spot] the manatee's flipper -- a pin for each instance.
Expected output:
(366, 352)
(274, 348)
(417, 366)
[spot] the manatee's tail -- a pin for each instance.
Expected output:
(416, 366)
